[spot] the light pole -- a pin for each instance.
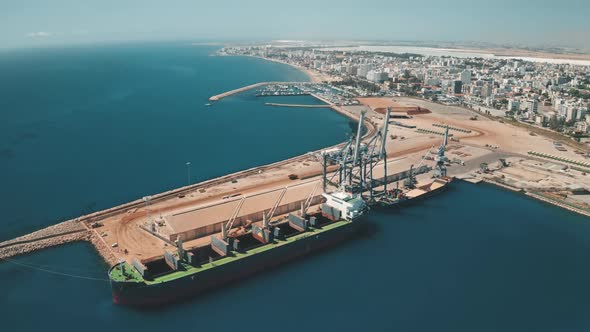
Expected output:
(188, 172)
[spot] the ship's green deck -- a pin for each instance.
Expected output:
(134, 276)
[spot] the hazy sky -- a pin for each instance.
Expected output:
(26, 23)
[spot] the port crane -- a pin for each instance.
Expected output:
(440, 170)
(410, 182)
(356, 162)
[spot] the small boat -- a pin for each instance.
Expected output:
(208, 104)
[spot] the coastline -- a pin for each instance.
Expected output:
(314, 77)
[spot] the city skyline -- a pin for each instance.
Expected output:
(32, 23)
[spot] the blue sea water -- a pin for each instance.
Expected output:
(87, 128)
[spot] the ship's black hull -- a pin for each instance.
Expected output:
(142, 294)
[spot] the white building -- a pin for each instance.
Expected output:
(582, 126)
(465, 77)
(571, 113)
(363, 70)
(376, 76)
(513, 105)
(533, 106)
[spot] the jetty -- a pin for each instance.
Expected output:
(58, 234)
(298, 105)
(248, 87)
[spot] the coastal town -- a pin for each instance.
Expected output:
(552, 96)
(526, 123)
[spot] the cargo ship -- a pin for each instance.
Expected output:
(438, 185)
(184, 274)
(398, 197)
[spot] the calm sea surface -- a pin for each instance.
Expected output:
(87, 128)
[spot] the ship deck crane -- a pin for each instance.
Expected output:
(410, 182)
(272, 211)
(309, 199)
(230, 222)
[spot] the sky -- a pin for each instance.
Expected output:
(29, 23)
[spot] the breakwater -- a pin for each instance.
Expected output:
(64, 232)
(298, 105)
(246, 88)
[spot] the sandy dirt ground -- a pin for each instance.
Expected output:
(503, 135)
(539, 175)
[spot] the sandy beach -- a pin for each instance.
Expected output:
(313, 75)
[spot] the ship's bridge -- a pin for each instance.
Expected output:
(350, 206)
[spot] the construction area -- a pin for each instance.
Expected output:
(397, 145)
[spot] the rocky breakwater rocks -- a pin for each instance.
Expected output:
(65, 232)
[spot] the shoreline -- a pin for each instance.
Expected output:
(312, 75)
